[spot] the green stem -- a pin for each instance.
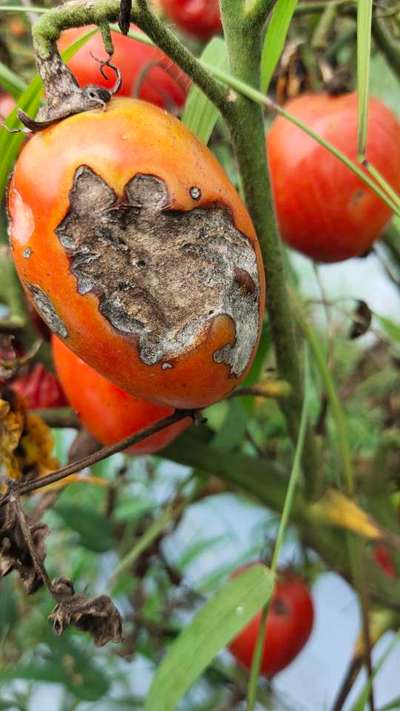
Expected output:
(244, 42)
(287, 508)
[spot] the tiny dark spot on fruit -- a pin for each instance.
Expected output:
(141, 263)
(195, 193)
(210, 313)
(279, 607)
(357, 196)
(244, 280)
(27, 253)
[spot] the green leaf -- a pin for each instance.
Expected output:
(275, 39)
(233, 430)
(391, 328)
(198, 548)
(393, 705)
(93, 529)
(11, 82)
(364, 22)
(200, 115)
(212, 628)
(29, 101)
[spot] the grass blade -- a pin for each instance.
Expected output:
(200, 115)
(212, 628)
(364, 22)
(11, 82)
(275, 39)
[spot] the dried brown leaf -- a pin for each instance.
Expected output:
(14, 550)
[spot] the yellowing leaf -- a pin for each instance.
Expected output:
(336, 509)
(36, 447)
(11, 427)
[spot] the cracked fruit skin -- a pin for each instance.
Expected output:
(161, 82)
(289, 625)
(137, 251)
(323, 209)
(107, 412)
(199, 18)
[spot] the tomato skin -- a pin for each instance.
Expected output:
(39, 389)
(323, 210)
(384, 559)
(165, 85)
(200, 18)
(289, 625)
(107, 412)
(129, 138)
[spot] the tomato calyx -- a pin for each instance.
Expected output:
(64, 95)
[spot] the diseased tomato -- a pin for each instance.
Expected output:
(323, 209)
(7, 103)
(384, 559)
(289, 625)
(200, 18)
(137, 251)
(146, 71)
(107, 412)
(39, 388)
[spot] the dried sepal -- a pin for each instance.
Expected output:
(96, 615)
(14, 550)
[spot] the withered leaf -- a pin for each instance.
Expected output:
(96, 615)
(12, 420)
(362, 318)
(14, 551)
(8, 358)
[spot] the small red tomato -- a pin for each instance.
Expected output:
(138, 252)
(39, 388)
(107, 412)
(323, 209)
(384, 560)
(146, 71)
(200, 18)
(289, 625)
(7, 103)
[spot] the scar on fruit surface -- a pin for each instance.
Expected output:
(161, 276)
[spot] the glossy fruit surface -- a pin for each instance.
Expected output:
(200, 18)
(107, 412)
(289, 625)
(146, 71)
(137, 251)
(323, 209)
(39, 388)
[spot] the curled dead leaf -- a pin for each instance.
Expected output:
(14, 551)
(96, 615)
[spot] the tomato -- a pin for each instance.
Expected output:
(384, 560)
(146, 71)
(323, 209)
(289, 625)
(200, 18)
(7, 103)
(107, 412)
(137, 251)
(39, 388)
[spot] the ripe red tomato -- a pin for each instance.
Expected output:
(384, 560)
(146, 71)
(137, 251)
(107, 412)
(39, 388)
(7, 103)
(289, 625)
(323, 209)
(200, 18)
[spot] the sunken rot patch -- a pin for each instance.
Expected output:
(161, 276)
(138, 251)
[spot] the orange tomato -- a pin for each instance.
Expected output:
(146, 71)
(137, 251)
(107, 412)
(323, 209)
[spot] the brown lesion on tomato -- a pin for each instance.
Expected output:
(161, 276)
(47, 311)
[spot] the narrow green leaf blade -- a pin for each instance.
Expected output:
(221, 618)
(11, 82)
(364, 23)
(200, 115)
(275, 39)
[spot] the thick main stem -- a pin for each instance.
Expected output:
(247, 129)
